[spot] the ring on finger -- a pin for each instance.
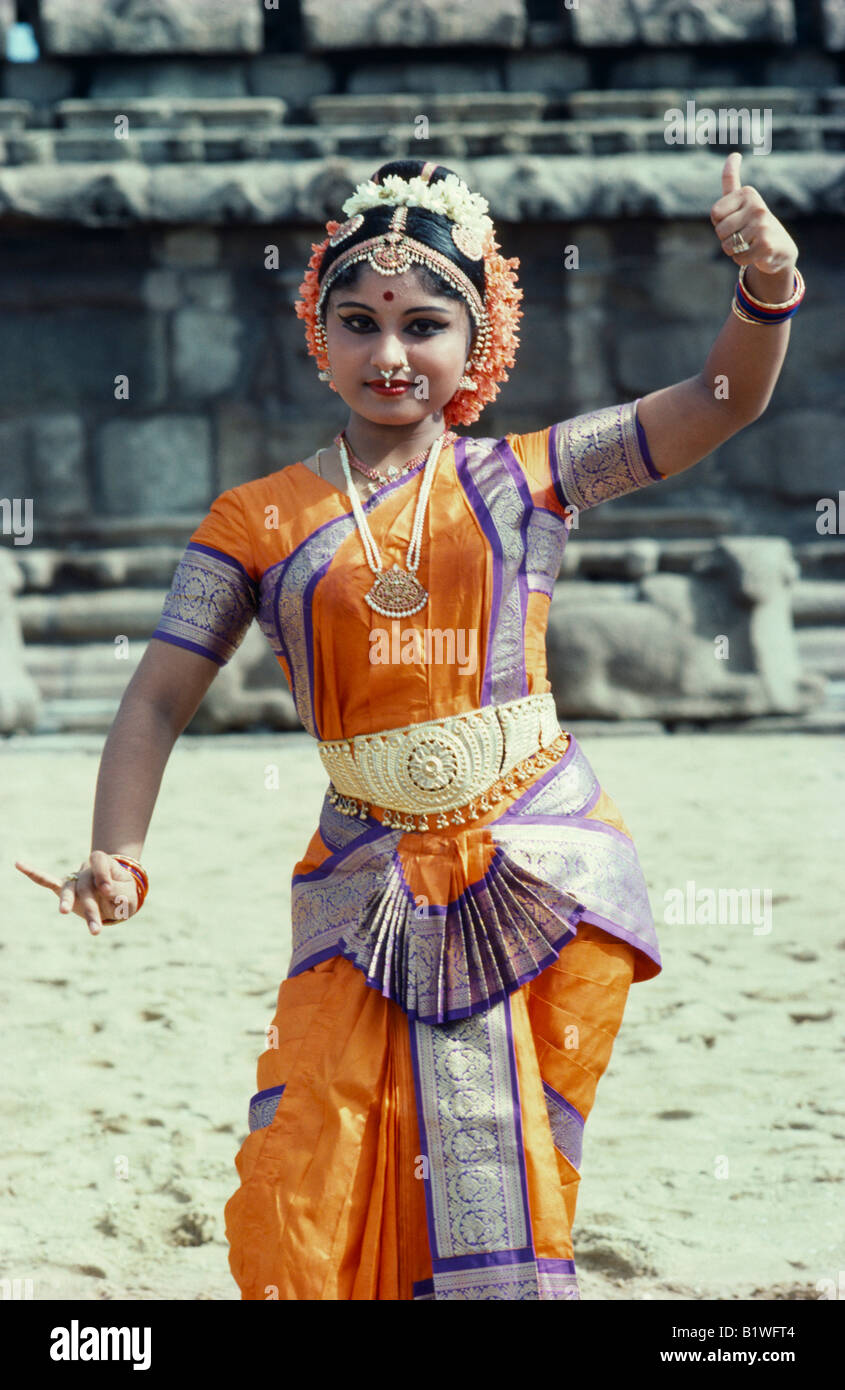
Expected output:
(738, 244)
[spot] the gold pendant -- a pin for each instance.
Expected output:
(397, 594)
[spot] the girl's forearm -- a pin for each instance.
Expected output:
(744, 364)
(131, 768)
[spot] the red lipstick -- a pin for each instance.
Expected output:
(382, 389)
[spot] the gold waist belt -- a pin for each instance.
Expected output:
(441, 764)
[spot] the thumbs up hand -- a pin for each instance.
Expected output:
(768, 245)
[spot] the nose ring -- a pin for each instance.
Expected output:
(392, 372)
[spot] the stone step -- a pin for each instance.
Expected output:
(832, 99)
(108, 532)
(818, 597)
(822, 649)
(373, 139)
(822, 559)
(585, 591)
(559, 186)
(83, 671)
(818, 601)
(169, 113)
(131, 613)
(156, 147)
(665, 523)
(81, 685)
(166, 111)
(15, 115)
(77, 716)
(51, 569)
(613, 104)
(188, 144)
(395, 108)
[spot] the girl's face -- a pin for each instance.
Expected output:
(392, 323)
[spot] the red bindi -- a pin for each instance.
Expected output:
(388, 294)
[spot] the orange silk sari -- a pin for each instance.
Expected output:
(454, 993)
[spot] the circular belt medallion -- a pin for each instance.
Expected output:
(425, 768)
(433, 765)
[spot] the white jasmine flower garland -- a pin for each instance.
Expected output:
(450, 196)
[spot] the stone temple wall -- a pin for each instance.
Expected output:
(165, 166)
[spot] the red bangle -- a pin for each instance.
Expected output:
(745, 306)
(139, 874)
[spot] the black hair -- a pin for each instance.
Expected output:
(431, 228)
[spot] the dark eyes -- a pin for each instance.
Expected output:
(415, 323)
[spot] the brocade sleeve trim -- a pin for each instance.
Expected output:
(210, 605)
(600, 455)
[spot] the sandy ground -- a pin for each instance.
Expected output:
(712, 1159)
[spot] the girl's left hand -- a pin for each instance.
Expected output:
(742, 209)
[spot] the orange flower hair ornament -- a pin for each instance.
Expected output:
(394, 251)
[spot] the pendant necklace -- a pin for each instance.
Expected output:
(396, 593)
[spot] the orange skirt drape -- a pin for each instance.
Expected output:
(331, 1202)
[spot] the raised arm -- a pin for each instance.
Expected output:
(686, 422)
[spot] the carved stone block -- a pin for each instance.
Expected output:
(715, 643)
(666, 23)
(412, 24)
(150, 26)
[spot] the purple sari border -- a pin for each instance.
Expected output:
(485, 521)
(307, 603)
(563, 1103)
(336, 848)
(520, 1140)
(511, 462)
(223, 555)
(423, 1138)
(316, 958)
(643, 443)
(494, 1258)
(376, 832)
(189, 646)
(277, 627)
(582, 822)
(535, 506)
(262, 1109)
(547, 776)
(553, 469)
(595, 919)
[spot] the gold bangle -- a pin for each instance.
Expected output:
(790, 303)
(746, 318)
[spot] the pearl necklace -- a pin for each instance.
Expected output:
(396, 593)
